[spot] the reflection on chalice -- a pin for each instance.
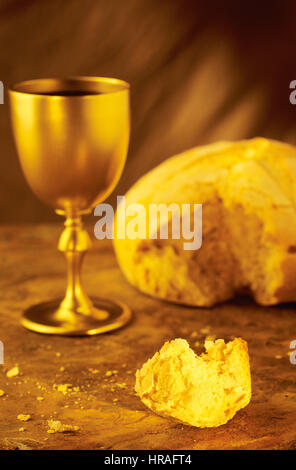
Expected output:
(72, 138)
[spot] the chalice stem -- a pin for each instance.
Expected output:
(74, 242)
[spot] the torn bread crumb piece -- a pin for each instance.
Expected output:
(202, 391)
(12, 372)
(57, 426)
(22, 417)
(63, 388)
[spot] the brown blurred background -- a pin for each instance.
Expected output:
(200, 71)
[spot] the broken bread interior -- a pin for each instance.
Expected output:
(202, 391)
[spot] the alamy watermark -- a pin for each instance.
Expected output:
(1, 353)
(292, 96)
(292, 355)
(153, 221)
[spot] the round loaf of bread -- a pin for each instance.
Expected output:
(248, 193)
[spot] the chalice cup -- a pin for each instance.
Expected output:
(72, 139)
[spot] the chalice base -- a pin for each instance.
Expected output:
(54, 319)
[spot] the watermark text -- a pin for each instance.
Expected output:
(150, 221)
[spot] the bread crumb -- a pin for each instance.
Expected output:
(62, 369)
(22, 417)
(278, 356)
(63, 388)
(40, 398)
(111, 372)
(21, 429)
(12, 372)
(2, 393)
(57, 426)
(205, 330)
(121, 385)
(58, 354)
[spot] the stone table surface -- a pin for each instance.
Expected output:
(105, 407)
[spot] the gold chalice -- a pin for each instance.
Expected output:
(72, 138)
